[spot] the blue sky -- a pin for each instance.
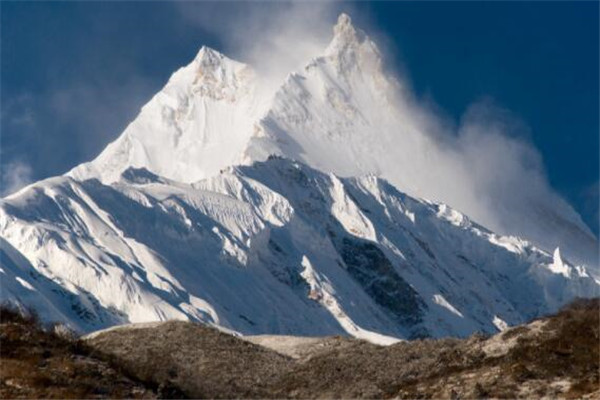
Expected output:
(74, 74)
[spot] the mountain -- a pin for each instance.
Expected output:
(276, 247)
(198, 211)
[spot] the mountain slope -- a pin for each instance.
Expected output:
(39, 363)
(277, 247)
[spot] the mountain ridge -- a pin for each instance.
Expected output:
(277, 247)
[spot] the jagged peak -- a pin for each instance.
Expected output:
(345, 36)
(558, 266)
(209, 63)
(207, 55)
(351, 47)
(344, 28)
(213, 74)
(209, 59)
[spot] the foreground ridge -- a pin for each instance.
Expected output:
(554, 357)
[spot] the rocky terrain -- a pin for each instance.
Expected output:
(555, 357)
(42, 363)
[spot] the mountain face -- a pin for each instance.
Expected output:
(198, 211)
(276, 247)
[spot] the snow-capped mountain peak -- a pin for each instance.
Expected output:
(345, 36)
(298, 212)
(209, 55)
(276, 247)
(196, 125)
(213, 75)
(214, 113)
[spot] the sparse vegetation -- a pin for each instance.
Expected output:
(201, 361)
(38, 363)
(556, 357)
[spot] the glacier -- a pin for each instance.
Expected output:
(298, 212)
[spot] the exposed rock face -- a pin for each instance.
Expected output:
(368, 265)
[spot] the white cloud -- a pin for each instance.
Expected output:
(18, 111)
(590, 196)
(14, 176)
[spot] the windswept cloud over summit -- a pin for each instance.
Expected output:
(484, 164)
